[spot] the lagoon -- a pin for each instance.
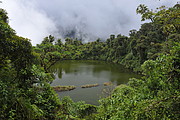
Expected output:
(82, 72)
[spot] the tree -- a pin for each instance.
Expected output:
(49, 39)
(23, 83)
(168, 18)
(145, 12)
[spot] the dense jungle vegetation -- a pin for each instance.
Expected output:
(153, 50)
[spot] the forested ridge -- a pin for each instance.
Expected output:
(153, 51)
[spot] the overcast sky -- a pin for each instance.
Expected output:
(36, 19)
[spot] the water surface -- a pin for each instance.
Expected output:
(82, 72)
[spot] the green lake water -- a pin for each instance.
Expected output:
(82, 72)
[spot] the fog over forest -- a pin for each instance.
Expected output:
(84, 19)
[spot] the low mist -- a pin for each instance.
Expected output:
(86, 20)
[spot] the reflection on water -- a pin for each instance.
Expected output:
(81, 72)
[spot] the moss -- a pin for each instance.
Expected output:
(107, 83)
(63, 88)
(89, 85)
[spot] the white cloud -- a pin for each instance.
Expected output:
(27, 20)
(36, 19)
